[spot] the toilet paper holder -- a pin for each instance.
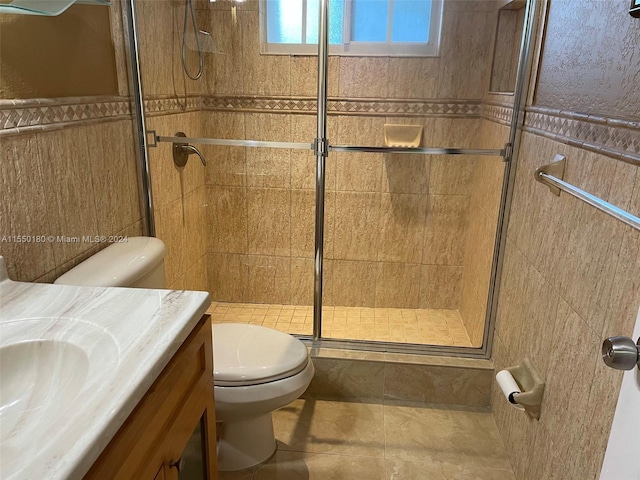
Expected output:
(531, 385)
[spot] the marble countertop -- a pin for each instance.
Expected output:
(135, 333)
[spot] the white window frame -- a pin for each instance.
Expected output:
(352, 48)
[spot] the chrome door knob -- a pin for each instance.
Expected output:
(621, 353)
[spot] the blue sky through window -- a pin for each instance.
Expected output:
(388, 22)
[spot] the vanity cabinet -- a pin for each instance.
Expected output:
(177, 410)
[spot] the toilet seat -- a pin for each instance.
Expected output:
(247, 354)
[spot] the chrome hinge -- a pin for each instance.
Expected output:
(154, 137)
(508, 152)
(321, 147)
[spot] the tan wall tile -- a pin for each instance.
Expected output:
(24, 210)
(69, 192)
(405, 173)
(473, 308)
(550, 295)
(363, 76)
(269, 221)
(397, 285)
(478, 258)
(451, 174)
(304, 76)
(225, 165)
(357, 232)
(227, 231)
(169, 228)
(440, 286)
(466, 46)
(159, 54)
(402, 224)
(268, 279)
(302, 281)
(228, 277)
(196, 277)
(412, 77)
(224, 70)
(263, 74)
(446, 225)
(195, 236)
(268, 167)
(114, 176)
(353, 283)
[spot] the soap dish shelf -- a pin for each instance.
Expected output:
(402, 136)
(47, 8)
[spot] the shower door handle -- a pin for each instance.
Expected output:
(621, 353)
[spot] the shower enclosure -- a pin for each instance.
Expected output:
(357, 195)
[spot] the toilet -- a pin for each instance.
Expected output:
(257, 370)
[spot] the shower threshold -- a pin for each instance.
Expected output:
(399, 325)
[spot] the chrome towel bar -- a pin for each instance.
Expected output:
(552, 176)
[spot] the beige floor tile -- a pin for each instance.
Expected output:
(313, 466)
(241, 475)
(413, 470)
(437, 435)
(344, 428)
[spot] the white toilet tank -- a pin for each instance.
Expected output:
(138, 262)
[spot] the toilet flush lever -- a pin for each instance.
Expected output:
(181, 152)
(621, 353)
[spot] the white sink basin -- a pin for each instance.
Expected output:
(74, 363)
(45, 365)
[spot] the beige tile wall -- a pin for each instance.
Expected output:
(570, 279)
(395, 225)
(80, 180)
(74, 182)
(179, 194)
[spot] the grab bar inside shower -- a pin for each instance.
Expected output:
(552, 176)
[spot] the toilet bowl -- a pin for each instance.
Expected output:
(256, 370)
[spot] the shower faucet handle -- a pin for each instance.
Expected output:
(181, 152)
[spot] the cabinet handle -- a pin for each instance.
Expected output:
(178, 464)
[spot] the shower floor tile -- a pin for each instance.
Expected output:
(402, 325)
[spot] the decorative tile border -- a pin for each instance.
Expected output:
(346, 106)
(170, 105)
(27, 116)
(614, 137)
(23, 116)
(497, 112)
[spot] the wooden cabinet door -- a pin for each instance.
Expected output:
(160, 475)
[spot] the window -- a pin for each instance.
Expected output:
(356, 27)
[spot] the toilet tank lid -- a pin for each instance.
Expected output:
(118, 265)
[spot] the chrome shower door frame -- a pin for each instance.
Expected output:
(322, 148)
(509, 153)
